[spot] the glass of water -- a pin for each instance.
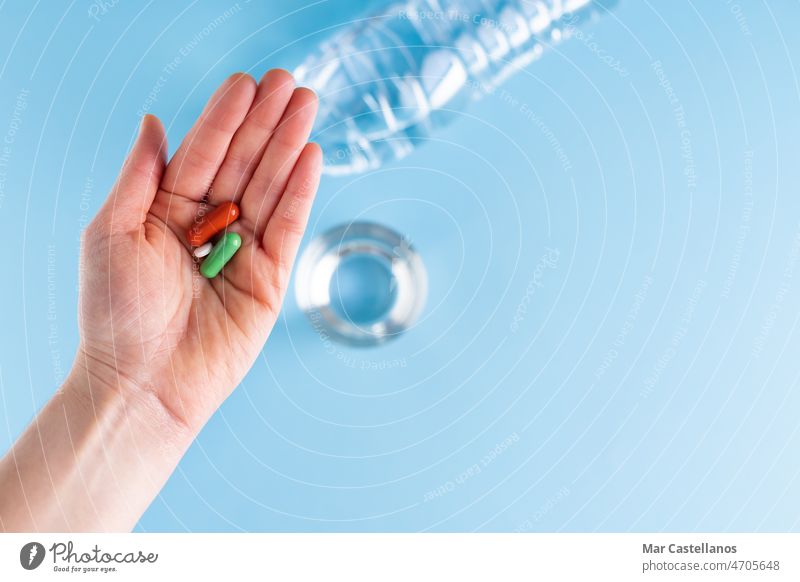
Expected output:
(361, 282)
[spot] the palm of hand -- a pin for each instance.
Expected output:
(149, 321)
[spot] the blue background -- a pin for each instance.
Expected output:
(611, 337)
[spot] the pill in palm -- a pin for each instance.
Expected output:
(202, 250)
(210, 224)
(222, 252)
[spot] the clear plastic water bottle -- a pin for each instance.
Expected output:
(389, 80)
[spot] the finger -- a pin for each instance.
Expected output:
(282, 152)
(193, 167)
(126, 208)
(288, 223)
(250, 141)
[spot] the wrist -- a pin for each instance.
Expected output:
(93, 460)
(101, 390)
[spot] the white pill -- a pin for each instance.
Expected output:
(202, 250)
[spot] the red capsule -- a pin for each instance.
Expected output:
(213, 222)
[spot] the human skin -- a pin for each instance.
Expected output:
(161, 347)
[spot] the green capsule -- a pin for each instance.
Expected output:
(222, 252)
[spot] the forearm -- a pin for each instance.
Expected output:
(92, 460)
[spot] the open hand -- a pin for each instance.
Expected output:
(151, 325)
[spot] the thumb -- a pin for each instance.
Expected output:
(130, 199)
